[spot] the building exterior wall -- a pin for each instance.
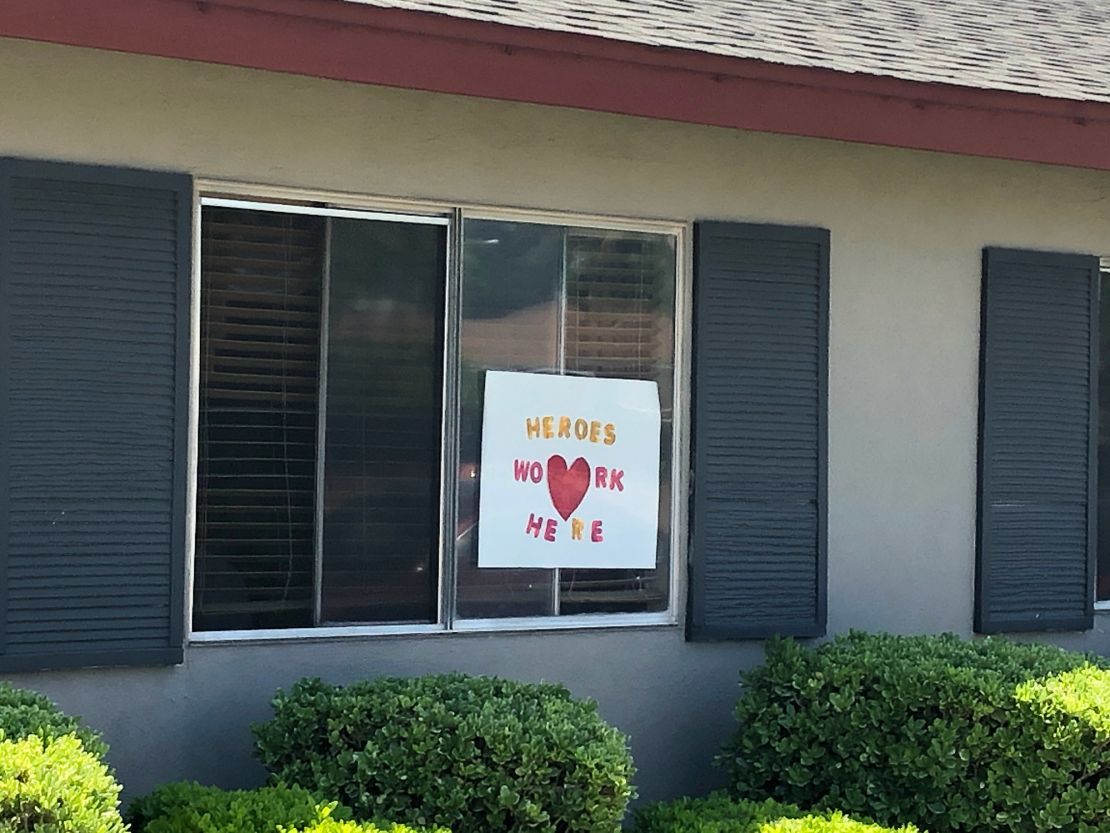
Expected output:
(907, 232)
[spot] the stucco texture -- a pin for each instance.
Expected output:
(907, 232)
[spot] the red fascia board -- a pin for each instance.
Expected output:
(416, 50)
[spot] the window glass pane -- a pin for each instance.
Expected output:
(512, 274)
(554, 299)
(620, 325)
(1104, 439)
(260, 345)
(383, 415)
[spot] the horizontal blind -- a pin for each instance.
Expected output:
(1038, 413)
(262, 278)
(94, 297)
(614, 326)
(760, 367)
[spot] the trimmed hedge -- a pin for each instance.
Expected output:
(24, 713)
(833, 823)
(331, 825)
(56, 786)
(953, 735)
(473, 754)
(189, 807)
(717, 813)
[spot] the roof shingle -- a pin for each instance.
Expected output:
(1052, 48)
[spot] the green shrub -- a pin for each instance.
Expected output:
(24, 713)
(188, 807)
(717, 813)
(56, 786)
(832, 823)
(953, 735)
(473, 754)
(327, 824)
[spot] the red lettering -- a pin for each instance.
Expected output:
(599, 477)
(549, 530)
(533, 526)
(615, 476)
(520, 470)
(596, 532)
(537, 473)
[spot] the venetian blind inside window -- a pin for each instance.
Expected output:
(261, 284)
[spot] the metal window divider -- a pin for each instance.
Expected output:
(321, 433)
(449, 450)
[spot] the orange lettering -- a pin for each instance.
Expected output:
(595, 431)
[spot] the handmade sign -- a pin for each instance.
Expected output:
(569, 472)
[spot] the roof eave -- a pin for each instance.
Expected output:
(416, 50)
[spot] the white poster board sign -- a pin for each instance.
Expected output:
(570, 472)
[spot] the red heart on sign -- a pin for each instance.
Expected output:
(567, 486)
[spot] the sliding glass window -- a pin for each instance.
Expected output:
(323, 429)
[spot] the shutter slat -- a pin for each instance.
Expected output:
(94, 287)
(1037, 441)
(760, 364)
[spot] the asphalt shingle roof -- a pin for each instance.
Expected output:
(1055, 48)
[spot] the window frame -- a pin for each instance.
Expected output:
(452, 215)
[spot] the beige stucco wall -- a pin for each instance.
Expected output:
(907, 232)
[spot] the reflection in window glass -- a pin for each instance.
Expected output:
(562, 300)
(383, 414)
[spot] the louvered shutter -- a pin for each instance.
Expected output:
(758, 537)
(94, 300)
(1037, 442)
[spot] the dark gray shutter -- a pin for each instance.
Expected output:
(758, 537)
(94, 311)
(1037, 442)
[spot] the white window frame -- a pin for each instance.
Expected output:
(209, 193)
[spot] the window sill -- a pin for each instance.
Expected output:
(463, 626)
(1102, 608)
